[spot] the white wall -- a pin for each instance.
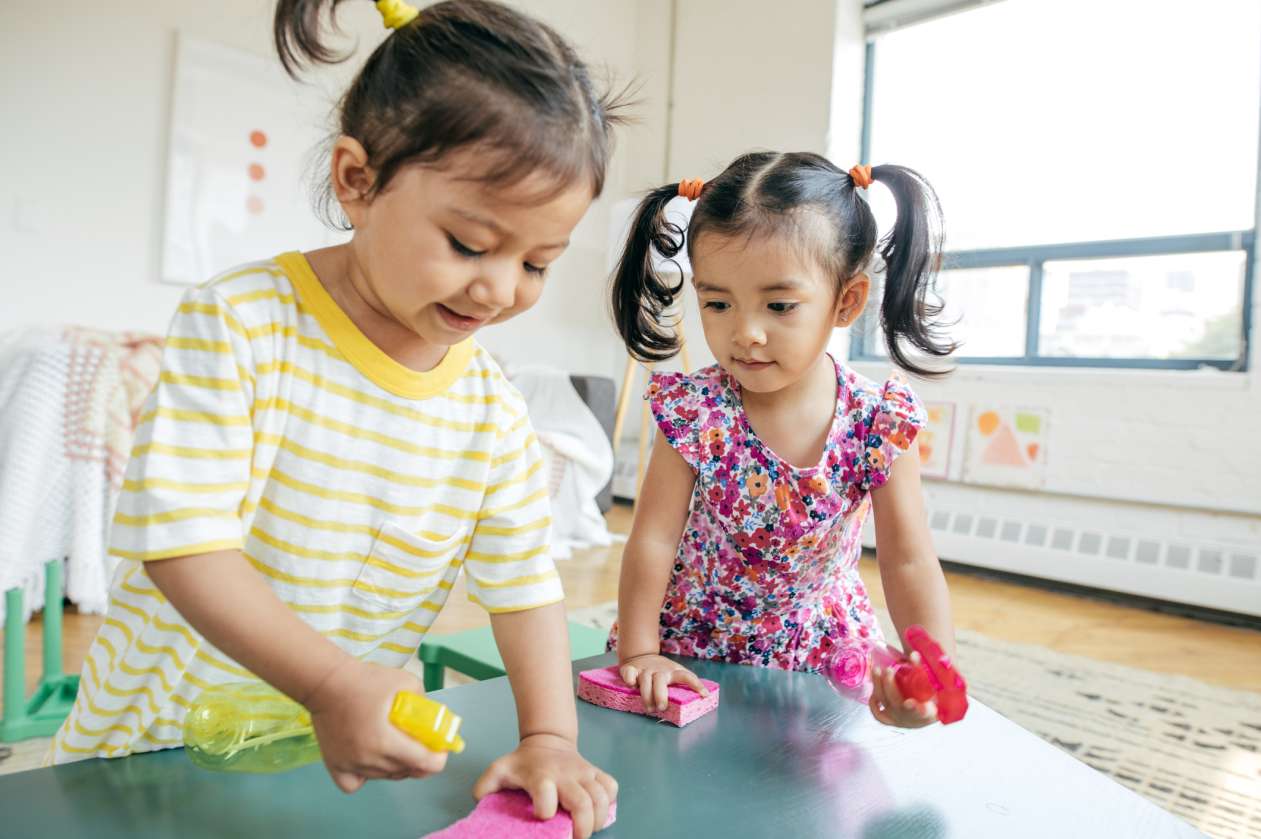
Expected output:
(1165, 438)
(745, 80)
(87, 100)
(1155, 464)
(87, 97)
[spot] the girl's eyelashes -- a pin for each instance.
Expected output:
(779, 308)
(468, 253)
(463, 249)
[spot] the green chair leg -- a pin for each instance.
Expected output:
(54, 696)
(14, 664)
(475, 654)
(435, 676)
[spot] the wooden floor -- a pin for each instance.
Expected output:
(1221, 655)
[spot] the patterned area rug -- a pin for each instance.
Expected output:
(1189, 747)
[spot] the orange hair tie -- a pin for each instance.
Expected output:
(691, 188)
(861, 176)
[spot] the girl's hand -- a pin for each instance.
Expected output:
(350, 714)
(551, 771)
(891, 708)
(653, 674)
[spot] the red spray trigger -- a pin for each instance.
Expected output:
(935, 668)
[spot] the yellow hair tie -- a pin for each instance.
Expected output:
(396, 13)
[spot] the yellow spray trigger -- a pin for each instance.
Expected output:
(430, 723)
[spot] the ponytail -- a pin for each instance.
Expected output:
(296, 29)
(911, 253)
(641, 295)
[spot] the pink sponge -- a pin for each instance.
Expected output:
(510, 813)
(605, 688)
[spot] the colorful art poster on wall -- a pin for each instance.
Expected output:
(936, 439)
(1006, 447)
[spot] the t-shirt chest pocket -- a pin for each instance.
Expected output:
(402, 567)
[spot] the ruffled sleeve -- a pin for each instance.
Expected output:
(895, 423)
(677, 404)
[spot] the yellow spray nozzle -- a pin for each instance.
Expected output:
(430, 723)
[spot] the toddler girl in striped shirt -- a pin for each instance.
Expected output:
(328, 445)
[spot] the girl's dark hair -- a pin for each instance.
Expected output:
(766, 192)
(464, 73)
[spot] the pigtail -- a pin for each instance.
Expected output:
(298, 32)
(912, 254)
(641, 295)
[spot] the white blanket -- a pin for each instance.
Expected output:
(67, 403)
(577, 454)
(49, 509)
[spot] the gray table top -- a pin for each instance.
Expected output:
(782, 756)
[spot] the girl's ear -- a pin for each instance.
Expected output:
(352, 178)
(853, 299)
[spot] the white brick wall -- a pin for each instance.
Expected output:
(1173, 438)
(1170, 458)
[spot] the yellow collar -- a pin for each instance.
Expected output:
(359, 350)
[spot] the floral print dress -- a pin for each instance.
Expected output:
(766, 572)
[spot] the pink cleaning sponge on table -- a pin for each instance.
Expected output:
(605, 688)
(510, 813)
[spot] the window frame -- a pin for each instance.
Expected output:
(1035, 256)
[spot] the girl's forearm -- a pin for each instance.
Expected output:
(915, 592)
(534, 645)
(914, 587)
(641, 591)
(661, 510)
(232, 607)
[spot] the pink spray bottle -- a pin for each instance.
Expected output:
(848, 670)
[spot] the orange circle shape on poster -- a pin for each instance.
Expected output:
(987, 422)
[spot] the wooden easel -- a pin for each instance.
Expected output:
(623, 402)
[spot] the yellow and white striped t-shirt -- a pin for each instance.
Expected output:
(356, 486)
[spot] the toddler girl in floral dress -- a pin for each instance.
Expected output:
(747, 529)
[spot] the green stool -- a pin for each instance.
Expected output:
(54, 697)
(473, 652)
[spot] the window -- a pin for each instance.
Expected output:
(1099, 181)
(1173, 306)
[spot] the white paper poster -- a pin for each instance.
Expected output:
(241, 138)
